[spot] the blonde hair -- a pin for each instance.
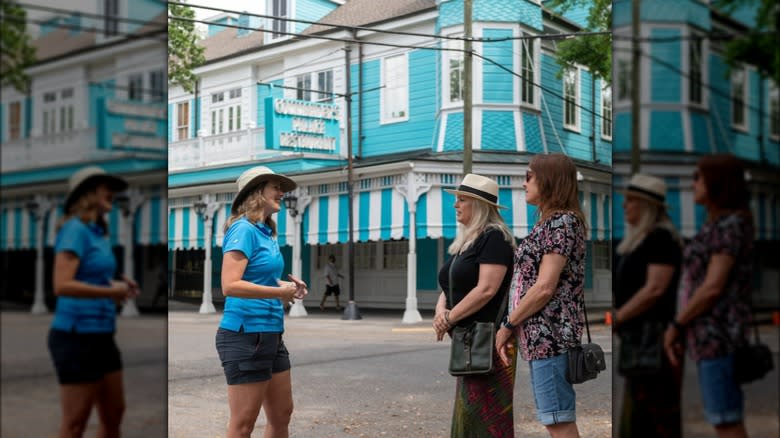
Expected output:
(483, 218)
(252, 209)
(84, 208)
(652, 216)
(556, 177)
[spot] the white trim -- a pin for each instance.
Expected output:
(442, 132)
(446, 103)
(774, 93)
(687, 33)
(745, 126)
(577, 101)
(383, 90)
(519, 132)
(601, 111)
(687, 130)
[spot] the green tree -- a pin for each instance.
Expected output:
(759, 45)
(184, 52)
(593, 52)
(17, 50)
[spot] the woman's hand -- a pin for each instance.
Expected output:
(301, 288)
(134, 288)
(287, 291)
(440, 324)
(672, 345)
(502, 344)
(121, 290)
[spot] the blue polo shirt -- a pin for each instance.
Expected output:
(264, 267)
(96, 266)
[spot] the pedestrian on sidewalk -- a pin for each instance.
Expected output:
(332, 287)
(249, 339)
(81, 340)
(479, 266)
(716, 285)
(546, 297)
(645, 297)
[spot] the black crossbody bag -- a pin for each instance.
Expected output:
(585, 360)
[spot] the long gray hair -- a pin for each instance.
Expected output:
(484, 217)
(652, 216)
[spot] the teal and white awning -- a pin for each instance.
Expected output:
(19, 228)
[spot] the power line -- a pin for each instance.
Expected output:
(288, 69)
(85, 14)
(392, 32)
(153, 34)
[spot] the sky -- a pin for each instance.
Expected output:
(256, 6)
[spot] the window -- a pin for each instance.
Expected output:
(14, 120)
(303, 87)
(455, 67)
(325, 86)
(774, 112)
(235, 93)
(135, 87)
(395, 94)
(527, 67)
(325, 251)
(738, 89)
(601, 255)
(57, 112)
(213, 122)
(365, 255)
(183, 121)
(395, 253)
(279, 9)
(111, 17)
(238, 117)
(157, 85)
(606, 113)
(221, 121)
(230, 118)
(217, 97)
(571, 98)
(623, 79)
(226, 111)
(694, 77)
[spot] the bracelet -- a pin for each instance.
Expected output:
(447, 317)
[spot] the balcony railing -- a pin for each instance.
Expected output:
(231, 147)
(43, 151)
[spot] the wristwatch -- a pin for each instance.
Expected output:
(505, 322)
(680, 328)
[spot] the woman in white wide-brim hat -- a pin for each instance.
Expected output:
(645, 296)
(249, 338)
(81, 339)
(480, 268)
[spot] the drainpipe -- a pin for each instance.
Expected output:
(197, 106)
(359, 154)
(593, 118)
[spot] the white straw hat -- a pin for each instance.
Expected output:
(478, 187)
(251, 179)
(647, 187)
(88, 178)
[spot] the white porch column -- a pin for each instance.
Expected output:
(134, 201)
(297, 308)
(414, 186)
(211, 206)
(39, 208)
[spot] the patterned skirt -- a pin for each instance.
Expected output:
(483, 404)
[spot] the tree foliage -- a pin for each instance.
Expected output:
(17, 50)
(593, 52)
(759, 45)
(184, 52)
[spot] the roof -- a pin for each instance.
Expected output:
(364, 12)
(227, 42)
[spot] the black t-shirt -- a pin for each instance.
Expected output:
(658, 248)
(489, 248)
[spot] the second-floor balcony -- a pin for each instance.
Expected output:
(52, 150)
(231, 147)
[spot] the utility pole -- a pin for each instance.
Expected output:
(635, 89)
(351, 311)
(467, 95)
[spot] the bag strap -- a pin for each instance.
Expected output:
(503, 301)
(585, 312)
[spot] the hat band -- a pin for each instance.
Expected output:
(646, 192)
(487, 196)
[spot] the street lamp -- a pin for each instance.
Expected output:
(206, 209)
(129, 202)
(291, 205)
(38, 208)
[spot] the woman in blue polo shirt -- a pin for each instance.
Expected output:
(249, 338)
(81, 339)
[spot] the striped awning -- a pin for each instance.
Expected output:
(19, 228)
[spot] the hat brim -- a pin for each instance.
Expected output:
(114, 183)
(475, 196)
(287, 185)
(645, 197)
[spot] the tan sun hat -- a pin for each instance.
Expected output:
(647, 187)
(88, 178)
(251, 179)
(478, 187)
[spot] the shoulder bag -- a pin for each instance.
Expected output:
(641, 349)
(585, 360)
(752, 361)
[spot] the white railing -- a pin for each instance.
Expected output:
(61, 148)
(231, 147)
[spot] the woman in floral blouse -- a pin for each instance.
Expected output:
(716, 284)
(546, 296)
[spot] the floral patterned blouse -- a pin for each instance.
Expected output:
(558, 326)
(718, 332)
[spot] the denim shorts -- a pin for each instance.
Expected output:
(83, 357)
(251, 357)
(553, 394)
(720, 392)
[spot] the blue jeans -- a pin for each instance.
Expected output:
(553, 394)
(720, 392)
